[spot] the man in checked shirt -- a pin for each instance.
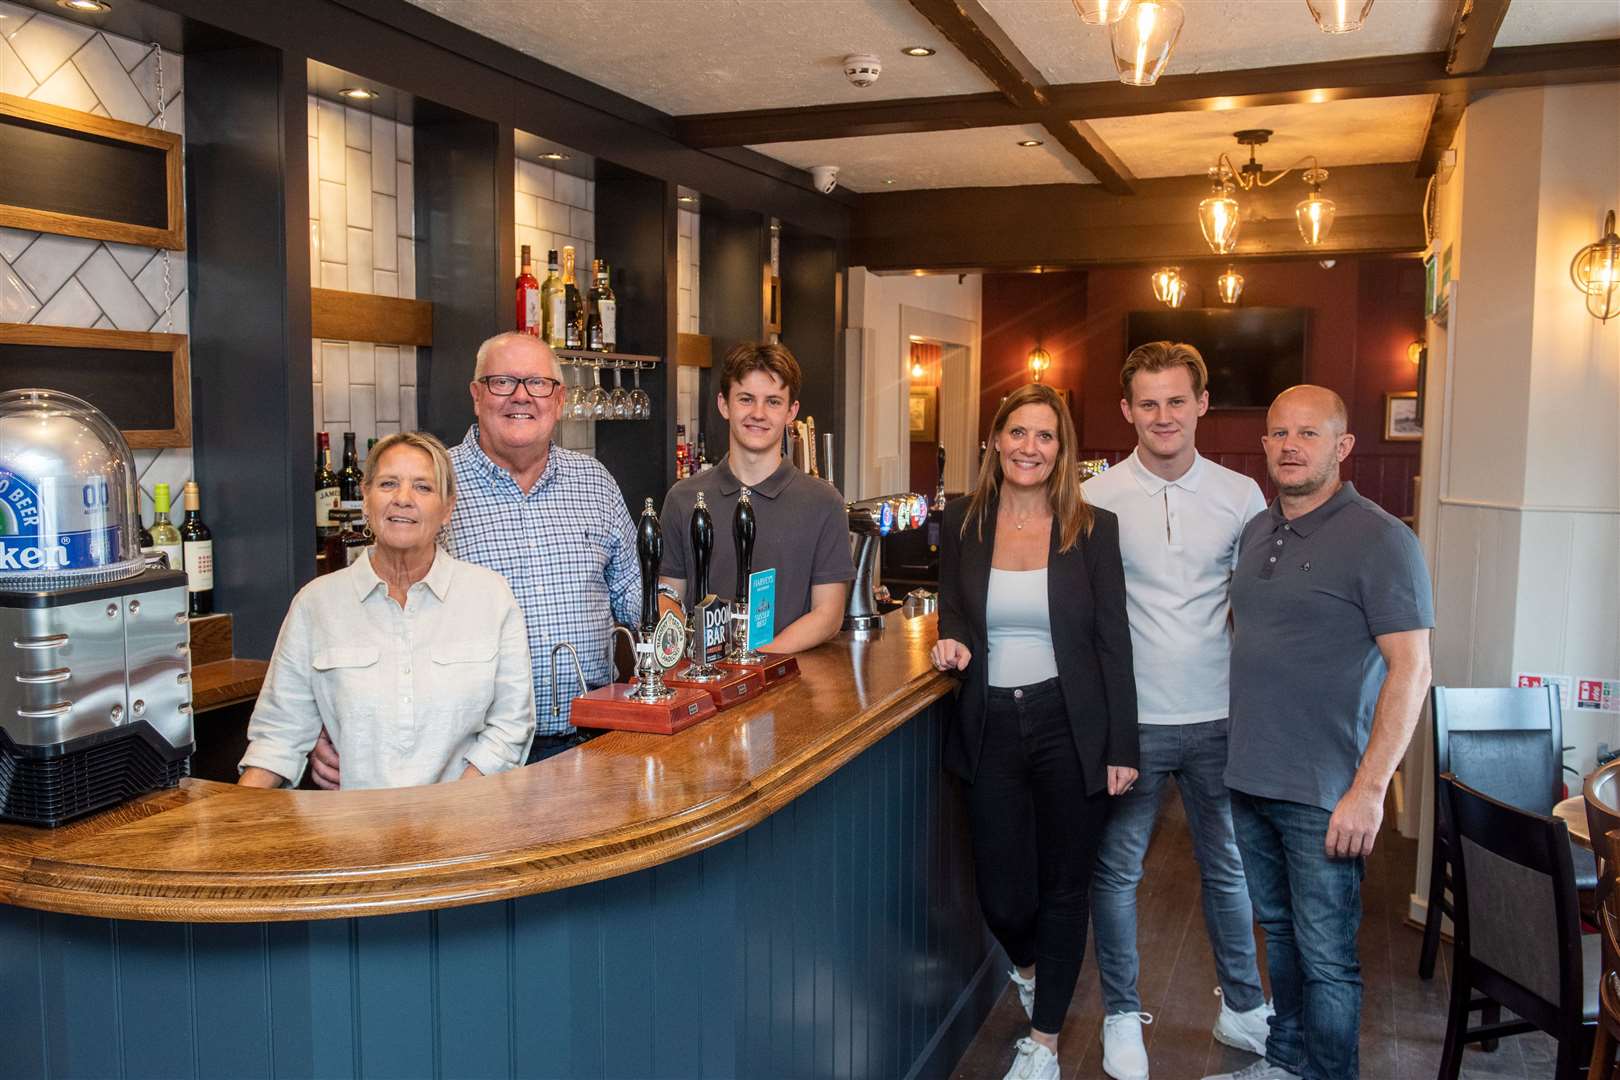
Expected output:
(549, 520)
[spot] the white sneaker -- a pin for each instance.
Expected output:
(1033, 1062)
(1259, 1070)
(1124, 1056)
(1245, 1030)
(1026, 991)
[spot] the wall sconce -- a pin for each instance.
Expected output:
(1415, 351)
(1164, 283)
(917, 370)
(1595, 270)
(1039, 361)
(1230, 286)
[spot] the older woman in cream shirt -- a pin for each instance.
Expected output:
(417, 663)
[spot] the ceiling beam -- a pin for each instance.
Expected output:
(1390, 76)
(1473, 33)
(978, 37)
(1443, 121)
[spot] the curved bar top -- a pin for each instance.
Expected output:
(210, 852)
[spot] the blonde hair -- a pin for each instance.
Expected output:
(1063, 495)
(1162, 356)
(444, 474)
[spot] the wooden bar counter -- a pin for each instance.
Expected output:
(784, 889)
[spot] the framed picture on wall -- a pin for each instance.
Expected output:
(924, 404)
(1401, 420)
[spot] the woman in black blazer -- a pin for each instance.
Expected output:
(1032, 613)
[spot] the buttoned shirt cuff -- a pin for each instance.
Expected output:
(486, 760)
(279, 760)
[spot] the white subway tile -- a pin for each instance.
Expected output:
(14, 77)
(407, 267)
(553, 216)
(68, 89)
(335, 381)
(362, 363)
(179, 317)
(13, 242)
(329, 133)
(314, 170)
(313, 122)
(388, 383)
(405, 198)
(683, 262)
(384, 244)
(384, 283)
(315, 359)
(523, 178)
(128, 51)
(116, 295)
(571, 190)
(683, 306)
(318, 409)
(334, 276)
(683, 219)
(582, 223)
(71, 306)
(357, 128)
(334, 220)
(314, 250)
(526, 210)
(404, 142)
(50, 261)
(45, 41)
(357, 185)
(407, 408)
(17, 303)
(131, 257)
(150, 280)
(382, 140)
(110, 84)
(360, 258)
(386, 429)
(407, 365)
(363, 414)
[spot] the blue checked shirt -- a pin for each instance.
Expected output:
(567, 549)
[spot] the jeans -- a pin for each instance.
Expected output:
(1309, 906)
(1195, 755)
(1035, 833)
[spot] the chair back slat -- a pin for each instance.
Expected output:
(1504, 741)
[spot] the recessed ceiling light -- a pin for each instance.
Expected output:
(553, 155)
(888, 179)
(357, 93)
(917, 50)
(685, 199)
(86, 6)
(1031, 142)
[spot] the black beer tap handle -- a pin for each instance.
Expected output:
(650, 551)
(742, 528)
(702, 548)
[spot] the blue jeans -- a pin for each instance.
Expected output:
(1195, 755)
(1309, 906)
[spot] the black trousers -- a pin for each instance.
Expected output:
(1035, 838)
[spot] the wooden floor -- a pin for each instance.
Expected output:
(1403, 1019)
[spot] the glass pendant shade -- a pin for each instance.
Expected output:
(1039, 361)
(1178, 293)
(1314, 215)
(1101, 12)
(1595, 271)
(1144, 38)
(1339, 16)
(1164, 283)
(1218, 218)
(1230, 286)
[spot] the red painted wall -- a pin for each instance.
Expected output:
(1364, 312)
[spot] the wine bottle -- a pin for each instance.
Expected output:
(528, 298)
(593, 310)
(551, 302)
(573, 313)
(165, 537)
(198, 554)
(608, 307)
(351, 479)
(144, 534)
(326, 485)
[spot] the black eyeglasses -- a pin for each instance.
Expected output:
(506, 385)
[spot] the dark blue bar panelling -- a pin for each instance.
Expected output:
(838, 938)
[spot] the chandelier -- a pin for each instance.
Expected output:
(1142, 39)
(1218, 214)
(1595, 271)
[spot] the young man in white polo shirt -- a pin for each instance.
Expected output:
(1180, 517)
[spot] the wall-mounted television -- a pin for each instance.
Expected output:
(1253, 354)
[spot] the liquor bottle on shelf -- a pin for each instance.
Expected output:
(573, 309)
(345, 545)
(607, 306)
(593, 310)
(528, 298)
(551, 303)
(326, 486)
(198, 553)
(142, 531)
(350, 496)
(681, 471)
(702, 455)
(165, 537)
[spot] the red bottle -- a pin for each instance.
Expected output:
(528, 299)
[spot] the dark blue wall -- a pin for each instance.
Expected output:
(838, 938)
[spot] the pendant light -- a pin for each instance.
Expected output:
(1144, 38)
(1101, 12)
(1314, 214)
(1178, 293)
(1039, 361)
(1595, 271)
(1230, 286)
(1218, 215)
(1339, 16)
(1164, 283)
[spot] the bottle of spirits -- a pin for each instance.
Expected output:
(350, 495)
(198, 553)
(326, 486)
(528, 298)
(165, 537)
(573, 309)
(607, 306)
(143, 532)
(593, 310)
(345, 546)
(551, 303)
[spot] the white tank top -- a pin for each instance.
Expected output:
(1019, 625)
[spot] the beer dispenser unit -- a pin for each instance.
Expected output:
(95, 687)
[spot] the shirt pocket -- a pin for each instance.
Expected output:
(347, 685)
(463, 673)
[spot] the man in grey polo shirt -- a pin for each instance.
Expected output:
(802, 528)
(1332, 610)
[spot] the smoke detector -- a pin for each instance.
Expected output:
(862, 69)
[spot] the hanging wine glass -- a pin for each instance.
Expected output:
(574, 407)
(597, 399)
(619, 401)
(640, 403)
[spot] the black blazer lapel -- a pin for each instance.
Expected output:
(976, 574)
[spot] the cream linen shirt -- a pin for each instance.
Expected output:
(1179, 542)
(409, 696)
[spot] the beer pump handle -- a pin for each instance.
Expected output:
(650, 551)
(702, 547)
(742, 528)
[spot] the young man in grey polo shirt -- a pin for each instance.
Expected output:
(1330, 661)
(802, 528)
(1180, 516)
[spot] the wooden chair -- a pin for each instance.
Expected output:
(1518, 934)
(1509, 744)
(1603, 825)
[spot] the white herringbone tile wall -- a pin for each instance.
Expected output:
(66, 281)
(689, 409)
(362, 238)
(554, 209)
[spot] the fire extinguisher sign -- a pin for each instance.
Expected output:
(1598, 695)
